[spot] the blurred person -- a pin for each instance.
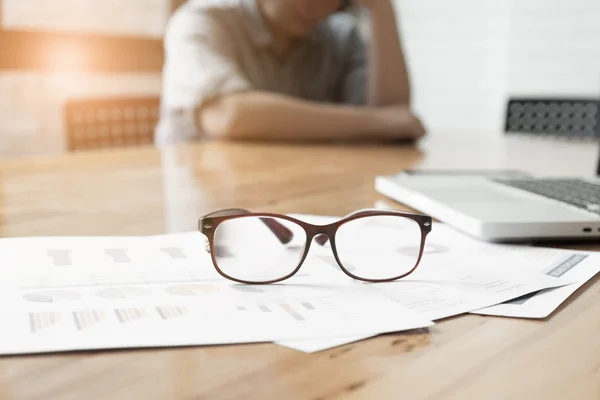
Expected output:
(292, 70)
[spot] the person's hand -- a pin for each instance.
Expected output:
(401, 123)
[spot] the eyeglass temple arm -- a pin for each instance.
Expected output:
(283, 234)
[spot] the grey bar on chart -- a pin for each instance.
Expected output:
(60, 258)
(163, 314)
(32, 322)
(292, 312)
(119, 316)
(174, 252)
(168, 312)
(77, 321)
(566, 265)
(118, 255)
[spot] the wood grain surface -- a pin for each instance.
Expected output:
(149, 191)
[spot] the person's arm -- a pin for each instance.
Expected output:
(388, 81)
(255, 115)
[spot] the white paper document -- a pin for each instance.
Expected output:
(440, 297)
(79, 293)
(459, 274)
(579, 267)
(61, 294)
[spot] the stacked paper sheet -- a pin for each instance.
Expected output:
(75, 293)
(470, 276)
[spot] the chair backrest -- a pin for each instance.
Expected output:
(564, 118)
(110, 122)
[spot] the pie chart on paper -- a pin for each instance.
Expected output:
(52, 296)
(123, 293)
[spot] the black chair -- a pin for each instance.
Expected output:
(110, 122)
(561, 118)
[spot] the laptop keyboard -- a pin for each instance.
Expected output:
(578, 193)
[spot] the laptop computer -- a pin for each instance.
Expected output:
(501, 206)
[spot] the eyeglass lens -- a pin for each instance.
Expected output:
(246, 249)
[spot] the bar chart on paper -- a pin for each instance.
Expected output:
(40, 321)
(292, 312)
(107, 319)
(283, 311)
(69, 257)
(121, 256)
(241, 319)
(95, 293)
(268, 313)
(85, 319)
(170, 312)
(103, 307)
(125, 315)
(82, 253)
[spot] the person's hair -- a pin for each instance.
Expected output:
(346, 5)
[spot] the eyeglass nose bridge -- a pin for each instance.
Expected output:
(322, 234)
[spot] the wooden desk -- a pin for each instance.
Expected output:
(147, 191)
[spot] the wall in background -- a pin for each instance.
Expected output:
(468, 56)
(457, 55)
(31, 102)
(118, 17)
(555, 47)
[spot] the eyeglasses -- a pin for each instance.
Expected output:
(262, 248)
